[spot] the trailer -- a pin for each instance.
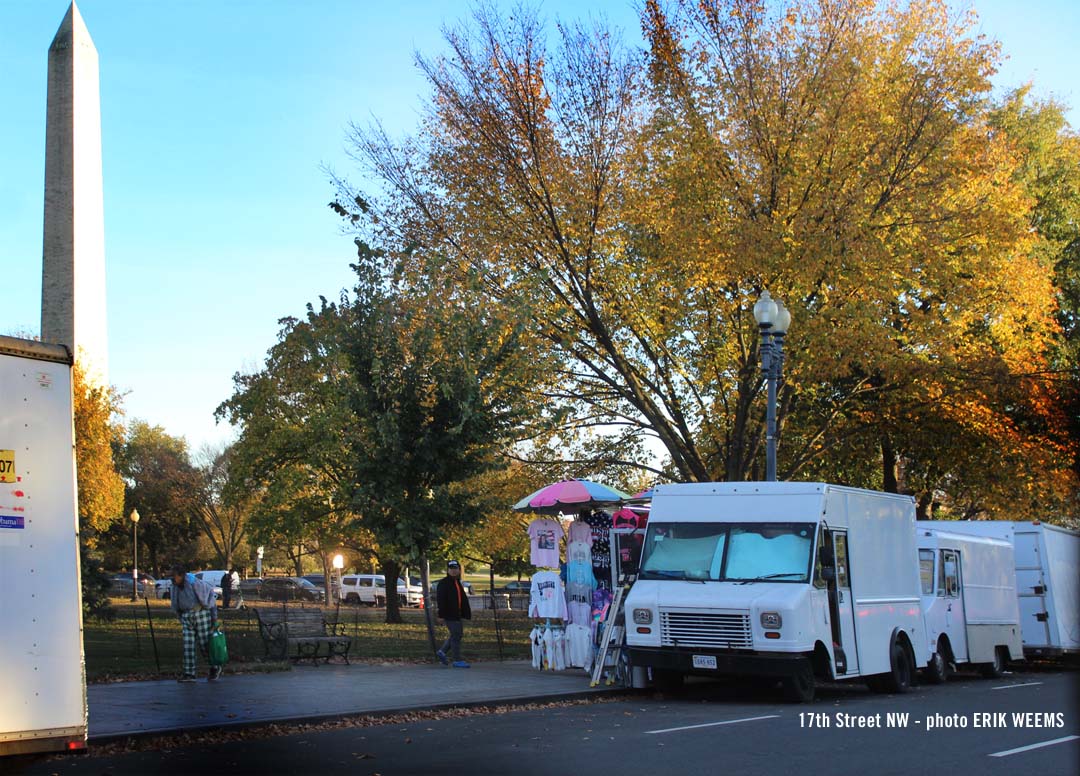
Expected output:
(969, 602)
(1047, 574)
(796, 581)
(43, 704)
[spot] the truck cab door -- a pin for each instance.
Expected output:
(949, 581)
(842, 604)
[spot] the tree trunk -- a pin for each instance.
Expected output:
(888, 465)
(923, 506)
(391, 569)
(425, 582)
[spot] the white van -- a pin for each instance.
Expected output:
(212, 577)
(968, 601)
(1047, 574)
(789, 580)
(370, 589)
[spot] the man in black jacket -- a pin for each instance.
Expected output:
(452, 605)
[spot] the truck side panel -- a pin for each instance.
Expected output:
(1062, 558)
(41, 655)
(884, 575)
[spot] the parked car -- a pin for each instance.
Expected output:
(214, 577)
(163, 588)
(319, 580)
(518, 586)
(370, 589)
(120, 584)
(251, 588)
(466, 585)
(289, 589)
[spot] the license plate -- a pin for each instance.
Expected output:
(705, 661)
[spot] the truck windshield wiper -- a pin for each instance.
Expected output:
(771, 576)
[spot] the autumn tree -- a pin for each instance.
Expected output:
(101, 489)
(840, 154)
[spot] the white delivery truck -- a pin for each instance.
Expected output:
(968, 601)
(43, 684)
(780, 579)
(1047, 579)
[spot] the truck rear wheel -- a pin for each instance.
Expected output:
(995, 669)
(898, 680)
(799, 687)
(937, 670)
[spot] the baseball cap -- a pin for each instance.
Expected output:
(453, 565)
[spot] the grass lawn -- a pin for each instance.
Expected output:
(123, 648)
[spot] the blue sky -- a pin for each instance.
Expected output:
(217, 119)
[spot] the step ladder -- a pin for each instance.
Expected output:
(610, 641)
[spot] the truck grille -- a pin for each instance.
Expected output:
(706, 629)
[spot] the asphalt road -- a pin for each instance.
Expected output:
(706, 729)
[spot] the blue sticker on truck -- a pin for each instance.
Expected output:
(12, 521)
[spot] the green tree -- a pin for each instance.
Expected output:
(162, 484)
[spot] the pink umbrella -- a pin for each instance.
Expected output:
(570, 495)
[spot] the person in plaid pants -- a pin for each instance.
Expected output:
(195, 603)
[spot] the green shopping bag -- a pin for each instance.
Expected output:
(219, 652)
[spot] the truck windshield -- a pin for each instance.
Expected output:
(738, 552)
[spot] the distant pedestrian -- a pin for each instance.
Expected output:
(195, 603)
(452, 606)
(236, 600)
(226, 590)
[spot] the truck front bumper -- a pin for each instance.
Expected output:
(727, 663)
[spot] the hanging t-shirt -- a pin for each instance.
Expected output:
(547, 597)
(580, 531)
(578, 552)
(536, 646)
(579, 638)
(600, 603)
(558, 649)
(548, 640)
(600, 523)
(544, 536)
(580, 584)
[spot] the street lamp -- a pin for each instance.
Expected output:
(134, 554)
(773, 320)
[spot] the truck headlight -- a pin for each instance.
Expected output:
(643, 616)
(771, 620)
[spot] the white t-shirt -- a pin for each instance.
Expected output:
(578, 551)
(580, 531)
(536, 646)
(558, 649)
(547, 597)
(579, 639)
(544, 536)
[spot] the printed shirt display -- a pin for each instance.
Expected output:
(544, 535)
(580, 646)
(547, 597)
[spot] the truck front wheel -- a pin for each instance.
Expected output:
(937, 670)
(799, 687)
(898, 680)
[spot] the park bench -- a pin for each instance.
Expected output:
(299, 633)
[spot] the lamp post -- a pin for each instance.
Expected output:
(134, 554)
(335, 586)
(773, 320)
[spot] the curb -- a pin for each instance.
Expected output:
(108, 738)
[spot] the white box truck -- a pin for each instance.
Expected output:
(1047, 572)
(43, 684)
(969, 602)
(788, 580)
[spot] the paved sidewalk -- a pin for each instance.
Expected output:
(310, 693)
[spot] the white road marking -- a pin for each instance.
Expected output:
(711, 724)
(1029, 747)
(1010, 686)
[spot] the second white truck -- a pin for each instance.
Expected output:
(797, 581)
(969, 602)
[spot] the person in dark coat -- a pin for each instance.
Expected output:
(452, 607)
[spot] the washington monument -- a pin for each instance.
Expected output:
(73, 266)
